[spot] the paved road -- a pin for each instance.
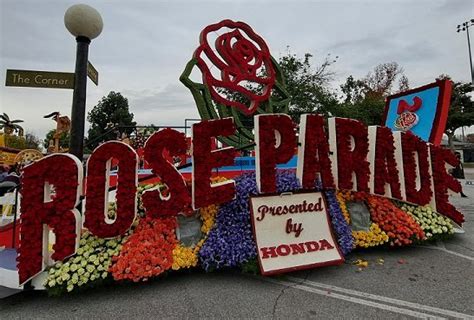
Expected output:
(430, 282)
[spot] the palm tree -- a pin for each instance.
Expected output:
(10, 126)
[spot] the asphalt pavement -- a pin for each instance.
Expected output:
(431, 282)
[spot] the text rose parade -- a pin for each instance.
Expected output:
(347, 155)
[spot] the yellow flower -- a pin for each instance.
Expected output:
(375, 236)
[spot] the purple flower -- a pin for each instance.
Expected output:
(230, 243)
(339, 224)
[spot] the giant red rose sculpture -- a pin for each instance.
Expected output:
(242, 57)
(239, 78)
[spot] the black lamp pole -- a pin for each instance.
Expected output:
(78, 113)
(85, 24)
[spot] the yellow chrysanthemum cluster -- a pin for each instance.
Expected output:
(374, 237)
(362, 239)
(208, 216)
(342, 197)
(187, 257)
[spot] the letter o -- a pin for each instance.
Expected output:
(283, 250)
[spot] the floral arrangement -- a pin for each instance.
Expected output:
(160, 202)
(151, 247)
(444, 182)
(362, 239)
(230, 243)
(59, 216)
(97, 169)
(415, 147)
(395, 223)
(385, 165)
(89, 267)
(147, 252)
(374, 237)
(340, 223)
(187, 257)
(432, 223)
(400, 227)
(353, 147)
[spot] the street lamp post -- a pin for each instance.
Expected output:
(465, 27)
(84, 23)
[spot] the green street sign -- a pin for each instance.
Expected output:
(92, 73)
(39, 79)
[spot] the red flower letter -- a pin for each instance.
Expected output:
(313, 153)
(43, 206)
(275, 143)
(204, 159)
(98, 170)
(352, 149)
(154, 202)
(385, 172)
(416, 170)
(444, 181)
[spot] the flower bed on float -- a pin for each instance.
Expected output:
(372, 186)
(117, 244)
(151, 248)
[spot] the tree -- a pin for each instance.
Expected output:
(364, 99)
(32, 141)
(63, 140)
(29, 141)
(308, 86)
(10, 126)
(461, 111)
(111, 112)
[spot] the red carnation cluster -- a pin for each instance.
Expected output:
(411, 146)
(268, 154)
(204, 160)
(316, 153)
(352, 150)
(444, 181)
(176, 196)
(385, 164)
(97, 176)
(60, 171)
(148, 252)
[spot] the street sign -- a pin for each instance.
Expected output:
(92, 73)
(39, 79)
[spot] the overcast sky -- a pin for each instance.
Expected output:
(146, 44)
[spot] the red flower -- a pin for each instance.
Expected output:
(148, 251)
(352, 150)
(444, 181)
(401, 228)
(413, 146)
(239, 56)
(97, 175)
(267, 154)
(314, 153)
(204, 160)
(64, 172)
(385, 167)
(176, 197)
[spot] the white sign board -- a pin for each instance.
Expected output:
(293, 232)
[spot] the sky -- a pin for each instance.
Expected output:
(145, 46)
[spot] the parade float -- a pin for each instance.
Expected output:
(314, 192)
